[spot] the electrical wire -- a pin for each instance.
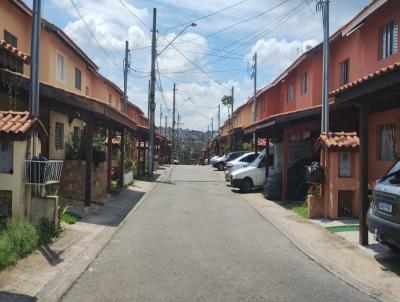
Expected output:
(133, 14)
(92, 34)
(209, 15)
(237, 23)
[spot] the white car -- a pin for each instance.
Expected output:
(251, 177)
(238, 163)
(214, 159)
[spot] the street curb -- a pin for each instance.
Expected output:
(338, 271)
(56, 288)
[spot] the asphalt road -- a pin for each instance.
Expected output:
(195, 240)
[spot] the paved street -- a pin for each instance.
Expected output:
(193, 239)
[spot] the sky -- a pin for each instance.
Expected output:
(204, 61)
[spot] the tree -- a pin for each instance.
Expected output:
(226, 100)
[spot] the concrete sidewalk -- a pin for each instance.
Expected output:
(47, 273)
(377, 276)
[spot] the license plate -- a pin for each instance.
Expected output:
(385, 206)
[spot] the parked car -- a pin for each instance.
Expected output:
(238, 163)
(214, 158)
(296, 181)
(220, 162)
(383, 217)
(253, 176)
(176, 162)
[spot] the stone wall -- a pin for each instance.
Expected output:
(72, 183)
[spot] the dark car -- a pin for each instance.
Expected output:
(220, 164)
(296, 181)
(383, 217)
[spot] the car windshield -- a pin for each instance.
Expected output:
(257, 161)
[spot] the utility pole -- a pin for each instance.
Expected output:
(254, 117)
(165, 128)
(152, 104)
(219, 117)
(126, 70)
(233, 100)
(160, 117)
(212, 127)
(173, 121)
(177, 138)
(35, 55)
(323, 6)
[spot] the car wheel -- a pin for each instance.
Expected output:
(394, 248)
(247, 185)
(221, 166)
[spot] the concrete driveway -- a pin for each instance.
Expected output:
(193, 239)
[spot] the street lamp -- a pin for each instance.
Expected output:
(187, 26)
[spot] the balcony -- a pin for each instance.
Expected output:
(43, 172)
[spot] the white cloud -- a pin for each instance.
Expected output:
(276, 55)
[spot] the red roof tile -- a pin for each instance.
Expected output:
(16, 122)
(15, 52)
(341, 140)
(378, 73)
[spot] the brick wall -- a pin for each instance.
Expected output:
(73, 180)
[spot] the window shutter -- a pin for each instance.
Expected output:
(395, 36)
(382, 42)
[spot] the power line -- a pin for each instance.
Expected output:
(237, 23)
(209, 15)
(133, 14)
(257, 36)
(92, 34)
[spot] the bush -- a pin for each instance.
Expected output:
(17, 241)
(46, 230)
(8, 255)
(69, 218)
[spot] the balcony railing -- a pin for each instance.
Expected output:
(43, 172)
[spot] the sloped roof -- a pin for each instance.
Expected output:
(339, 140)
(15, 122)
(378, 73)
(15, 52)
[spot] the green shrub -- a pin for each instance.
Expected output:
(23, 236)
(69, 218)
(46, 230)
(8, 255)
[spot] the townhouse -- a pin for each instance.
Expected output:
(363, 141)
(80, 118)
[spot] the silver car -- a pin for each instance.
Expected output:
(238, 163)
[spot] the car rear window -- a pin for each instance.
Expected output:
(392, 177)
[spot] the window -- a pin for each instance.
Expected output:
(387, 142)
(116, 102)
(78, 78)
(264, 104)
(10, 39)
(6, 157)
(59, 136)
(345, 165)
(344, 72)
(304, 84)
(110, 99)
(388, 39)
(290, 93)
(60, 68)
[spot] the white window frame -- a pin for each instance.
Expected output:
(63, 78)
(388, 39)
(290, 93)
(61, 138)
(345, 170)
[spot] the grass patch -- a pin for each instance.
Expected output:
(69, 218)
(299, 208)
(18, 240)
(344, 228)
